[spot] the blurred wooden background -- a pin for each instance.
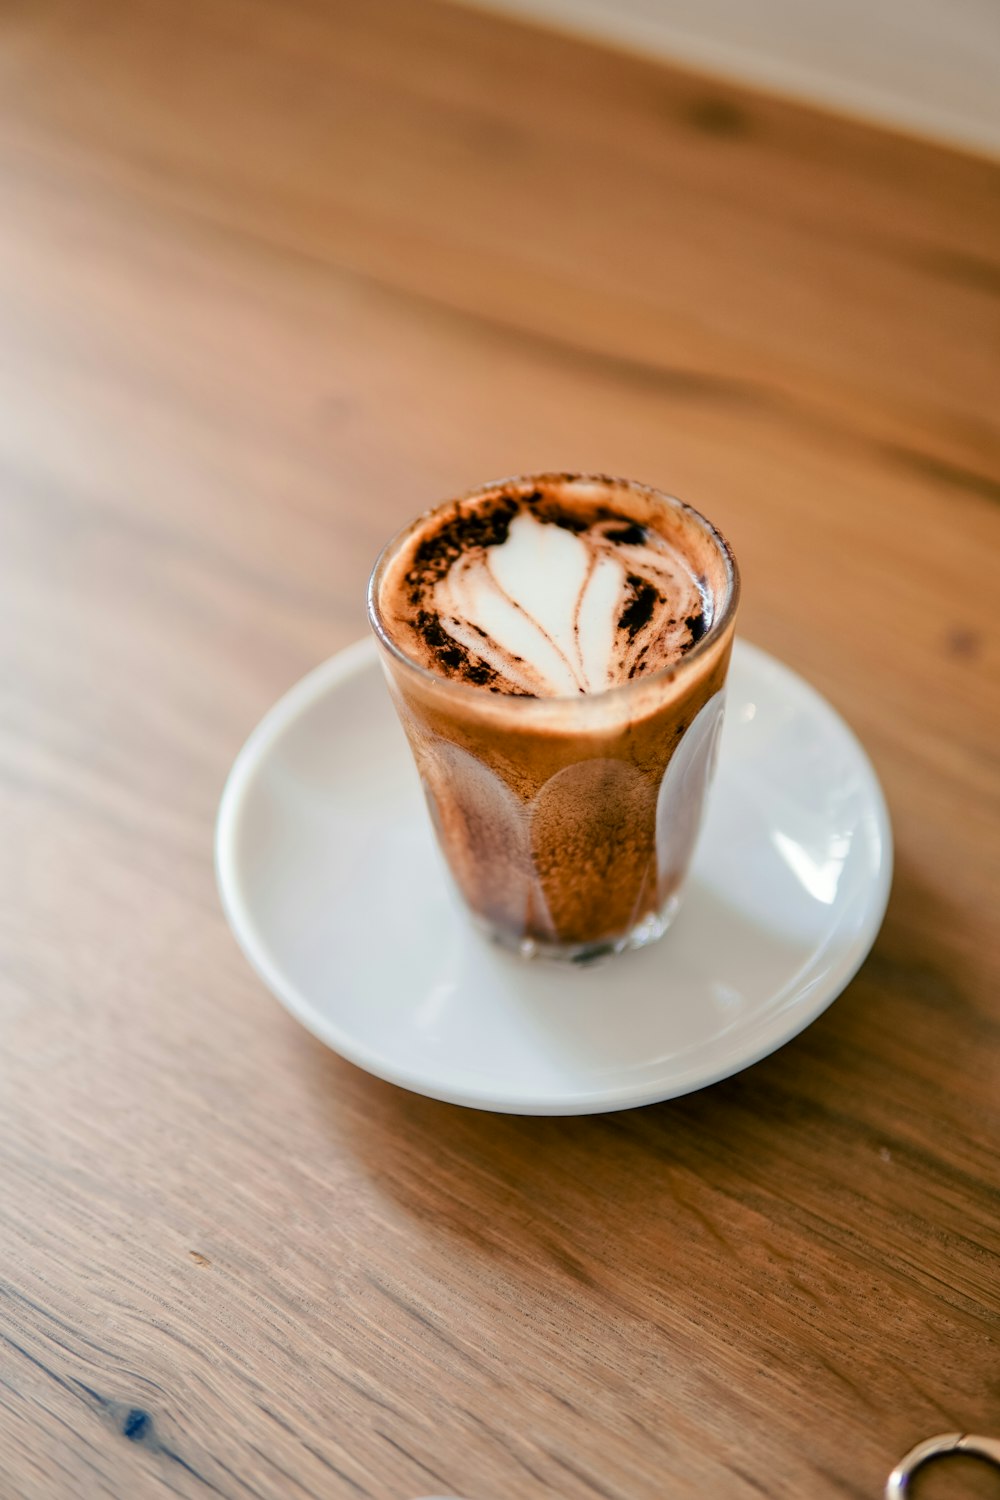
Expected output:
(272, 278)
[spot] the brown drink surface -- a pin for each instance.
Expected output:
(551, 592)
(563, 738)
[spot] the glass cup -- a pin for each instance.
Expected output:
(568, 824)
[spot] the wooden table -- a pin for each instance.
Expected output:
(273, 277)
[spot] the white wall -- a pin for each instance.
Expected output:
(930, 67)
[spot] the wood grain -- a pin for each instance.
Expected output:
(273, 277)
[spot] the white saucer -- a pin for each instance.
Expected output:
(337, 894)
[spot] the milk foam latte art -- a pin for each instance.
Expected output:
(556, 647)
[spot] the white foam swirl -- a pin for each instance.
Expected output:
(543, 608)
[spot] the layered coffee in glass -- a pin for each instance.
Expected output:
(556, 646)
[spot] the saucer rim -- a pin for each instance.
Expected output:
(362, 656)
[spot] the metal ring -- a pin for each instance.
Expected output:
(948, 1443)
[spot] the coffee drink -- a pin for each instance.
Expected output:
(557, 647)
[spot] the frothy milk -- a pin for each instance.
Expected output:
(550, 593)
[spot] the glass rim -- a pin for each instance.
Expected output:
(520, 703)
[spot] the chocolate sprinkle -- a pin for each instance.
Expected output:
(451, 654)
(696, 625)
(632, 535)
(486, 527)
(567, 522)
(638, 611)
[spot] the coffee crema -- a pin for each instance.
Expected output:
(550, 592)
